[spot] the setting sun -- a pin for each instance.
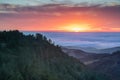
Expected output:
(77, 28)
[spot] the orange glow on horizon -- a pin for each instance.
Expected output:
(65, 20)
(75, 28)
(79, 28)
(64, 23)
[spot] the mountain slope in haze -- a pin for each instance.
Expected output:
(85, 57)
(110, 50)
(95, 50)
(85, 49)
(108, 64)
(34, 57)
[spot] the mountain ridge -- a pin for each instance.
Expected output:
(95, 50)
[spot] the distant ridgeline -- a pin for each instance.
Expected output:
(34, 57)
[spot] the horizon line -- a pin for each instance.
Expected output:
(64, 31)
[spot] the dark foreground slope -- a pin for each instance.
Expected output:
(28, 57)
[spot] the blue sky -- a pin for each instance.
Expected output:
(39, 2)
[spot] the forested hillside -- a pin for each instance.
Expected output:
(34, 57)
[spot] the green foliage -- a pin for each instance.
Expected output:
(29, 57)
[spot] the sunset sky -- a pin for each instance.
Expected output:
(60, 15)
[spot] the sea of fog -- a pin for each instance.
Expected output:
(98, 40)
